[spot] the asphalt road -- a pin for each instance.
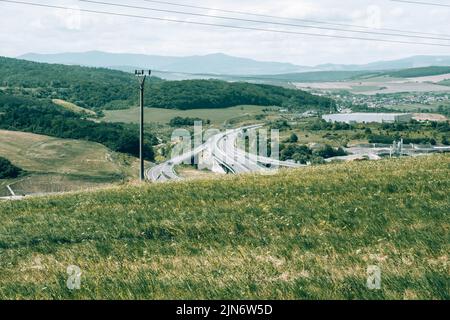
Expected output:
(222, 149)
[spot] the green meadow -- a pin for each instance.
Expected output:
(158, 115)
(300, 234)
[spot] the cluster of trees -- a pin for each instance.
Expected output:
(303, 154)
(321, 124)
(281, 125)
(44, 117)
(186, 121)
(441, 126)
(387, 139)
(8, 170)
(446, 141)
(445, 110)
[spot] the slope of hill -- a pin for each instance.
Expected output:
(419, 72)
(55, 165)
(300, 234)
(40, 153)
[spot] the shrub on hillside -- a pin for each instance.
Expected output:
(8, 170)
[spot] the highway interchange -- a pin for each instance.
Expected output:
(223, 154)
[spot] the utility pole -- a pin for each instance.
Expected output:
(142, 75)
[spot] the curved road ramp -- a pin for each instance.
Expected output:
(223, 154)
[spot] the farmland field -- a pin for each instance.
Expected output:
(301, 234)
(217, 116)
(372, 87)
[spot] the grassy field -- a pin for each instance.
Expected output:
(73, 107)
(357, 135)
(63, 164)
(189, 172)
(217, 116)
(300, 234)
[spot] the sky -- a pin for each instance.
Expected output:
(25, 29)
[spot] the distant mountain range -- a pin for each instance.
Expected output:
(405, 63)
(211, 64)
(219, 63)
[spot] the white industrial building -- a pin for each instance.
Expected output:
(366, 117)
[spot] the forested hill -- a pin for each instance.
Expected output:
(192, 94)
(99, 88)
(86, 87)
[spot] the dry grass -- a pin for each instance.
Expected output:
(300, 234)
(73, 107)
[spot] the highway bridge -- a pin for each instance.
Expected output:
(223, 152)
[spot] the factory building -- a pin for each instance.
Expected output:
(361, 117)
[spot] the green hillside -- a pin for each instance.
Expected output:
(44, 154)
(99, 89)
(201, 94)
(419, 72)
(86, 87)
(56, 165)
(301, 234)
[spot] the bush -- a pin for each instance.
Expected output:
(186, 121)
(8, 170)
(280, 125)
(293, 138)
(329, 152)
(373, 138)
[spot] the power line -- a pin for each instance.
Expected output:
(226, 26)
(423, 3)
(292, 19)
(258, 21)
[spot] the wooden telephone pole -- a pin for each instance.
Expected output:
(142, 75)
